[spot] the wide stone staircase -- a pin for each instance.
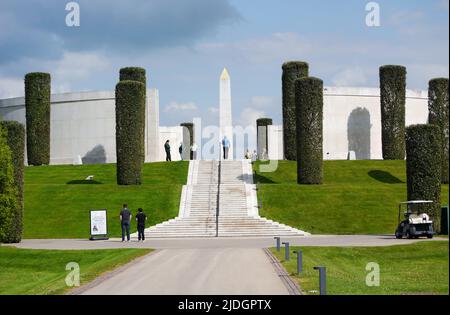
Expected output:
(228, 209)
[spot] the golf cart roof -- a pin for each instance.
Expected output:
(416, 202)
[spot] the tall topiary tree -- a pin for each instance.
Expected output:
(309, 107)
(8, 190)
(424, 167)
(16, 142)
(393, 101)
(130, 101)
(438, 115)
(292, 71)
(133, 74)
(37, 107)
(136, 74)
(188, 140)
(262, 136)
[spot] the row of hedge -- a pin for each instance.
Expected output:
(309, 113)
(37, 108)
(438, 115)
(292, 71)
(393, 104)
(8, 190)
(130, 125)
(424, 167)
(15, 138)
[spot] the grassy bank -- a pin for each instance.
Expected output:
(26, 271)
(58, 199)
(357, 197)
(420, 268)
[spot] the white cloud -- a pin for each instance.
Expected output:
(174, 106)
(262, 102)
(11, 87)
(355, 76)
(277, 46)
(77, 66)
(213, 110)
(249, 116)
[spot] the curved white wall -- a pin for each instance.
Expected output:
(84, 124)
(352, 122)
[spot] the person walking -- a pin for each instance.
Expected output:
(167, 149)
(226, 147)
(141, 217)
(125, 218)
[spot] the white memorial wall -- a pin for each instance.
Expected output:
(352, 122)
(83, 125)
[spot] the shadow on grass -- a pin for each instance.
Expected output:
(385, 177)
(84, 182)
(259, 179)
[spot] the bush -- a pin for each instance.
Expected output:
(133, 74)
(8, 190)
(263, 122)
(136, 74)
(292, 71)
(423, 167)
(37, 106)
(188, 140)
(16, 142)
(130, 101)
(438, 115)
(393, 100)
(309, 107)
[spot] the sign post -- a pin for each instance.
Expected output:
(99, 225)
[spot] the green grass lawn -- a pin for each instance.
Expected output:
(58, 200)
(420, 268)
(27, 271)
(357, 197)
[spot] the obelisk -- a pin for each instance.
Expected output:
(226, 125)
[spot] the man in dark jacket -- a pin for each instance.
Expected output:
(141, 217)
(125, 218)
(167, 149)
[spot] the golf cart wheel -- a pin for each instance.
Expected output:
(430, 236)
(398, 235)
(408, 235)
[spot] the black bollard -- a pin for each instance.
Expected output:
(278, 239)
(286, 251)
(299, 261)
(322, 279)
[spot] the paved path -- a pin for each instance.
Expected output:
(264, 242)
(225, 266)
(223, 271)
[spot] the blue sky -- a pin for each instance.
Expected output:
(184, 44)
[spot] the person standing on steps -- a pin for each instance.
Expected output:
(141, 217)
(194, 151)
(125, 218)
(167, 149)
(226, 147)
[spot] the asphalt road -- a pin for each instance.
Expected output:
(223, 271)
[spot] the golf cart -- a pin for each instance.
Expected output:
(416, 223)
